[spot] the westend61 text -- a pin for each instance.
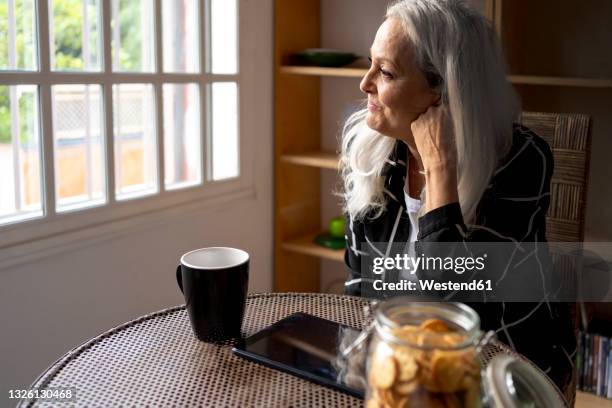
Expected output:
(432, 285)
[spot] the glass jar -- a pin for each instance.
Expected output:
(424, 354)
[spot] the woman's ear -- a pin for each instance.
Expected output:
(435, 98)
(438, 99)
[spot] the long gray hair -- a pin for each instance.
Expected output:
(459, 54)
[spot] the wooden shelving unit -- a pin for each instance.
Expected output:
(297, 197)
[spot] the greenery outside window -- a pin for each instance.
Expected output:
(104, 102)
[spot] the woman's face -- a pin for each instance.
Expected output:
(397, 90)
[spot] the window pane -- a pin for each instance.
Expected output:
(182, 157)
(132, 35)
(17, 35)
(224, 32)
(225, 151)
(20, 187)
(75, 30)
(134, 139)
(180, 35)
(80, 177)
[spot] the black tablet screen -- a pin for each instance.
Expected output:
(306, 346)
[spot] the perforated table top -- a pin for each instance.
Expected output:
(155, 360)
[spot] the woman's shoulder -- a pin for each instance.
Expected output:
(522, 134)
(528, 166)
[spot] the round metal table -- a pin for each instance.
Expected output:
(155, 360)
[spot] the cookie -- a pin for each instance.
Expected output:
(383, 372)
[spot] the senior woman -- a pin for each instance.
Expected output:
(436, 157)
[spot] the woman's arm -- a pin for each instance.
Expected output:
(352, 258)
(441, 187)
(433, 137)
(511, 214)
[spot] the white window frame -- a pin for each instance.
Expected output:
(20, 239)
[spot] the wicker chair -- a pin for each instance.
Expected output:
(569, 138)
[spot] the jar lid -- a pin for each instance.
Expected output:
(513, 383)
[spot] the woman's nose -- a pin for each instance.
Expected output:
(367, 86)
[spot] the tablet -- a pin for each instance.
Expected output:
(308, 347)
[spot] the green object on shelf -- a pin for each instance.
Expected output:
(337, 226)
(328, 241)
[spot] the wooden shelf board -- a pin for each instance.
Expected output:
(515, 79)
(586, 400)
(325, 160)
(560, 81)
(305, 245)
(324, 71)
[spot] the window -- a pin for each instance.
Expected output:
(111, 102)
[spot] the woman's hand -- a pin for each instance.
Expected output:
(434, 139)
(435, 142)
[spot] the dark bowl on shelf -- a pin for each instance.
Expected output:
(324, 57)
(329, 241)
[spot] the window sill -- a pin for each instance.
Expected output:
(32, 240)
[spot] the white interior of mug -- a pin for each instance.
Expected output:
(214, 258)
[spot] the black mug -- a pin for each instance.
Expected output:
(214, 282)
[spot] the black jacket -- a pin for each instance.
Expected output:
(513, 209)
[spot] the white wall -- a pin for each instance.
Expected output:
(53, 304)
